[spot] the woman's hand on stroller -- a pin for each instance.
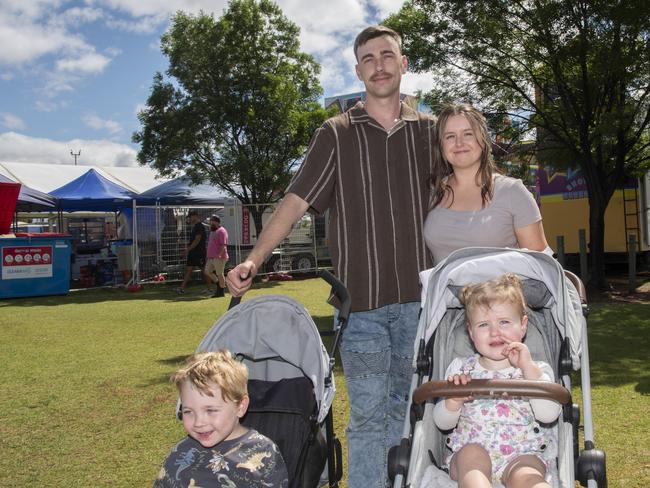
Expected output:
(454, 404)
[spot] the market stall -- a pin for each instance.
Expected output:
(32, 264)
(160, 225)
(31, 200)
(94, 205)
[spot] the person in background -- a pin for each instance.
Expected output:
(195, 251)
(369, 167)
(217, 255)
(471, 203)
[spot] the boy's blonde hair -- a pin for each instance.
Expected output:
(221, 368)
(505, 288)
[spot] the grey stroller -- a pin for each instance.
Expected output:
(291, 382)
(557, 334)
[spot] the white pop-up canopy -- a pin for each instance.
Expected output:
(46, 177)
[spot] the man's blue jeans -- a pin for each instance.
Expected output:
(377, 354)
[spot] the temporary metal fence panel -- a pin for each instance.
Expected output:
(304, 249)
(161, 238)
(161, 234)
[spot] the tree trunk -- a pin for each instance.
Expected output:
(256, 212)
(597, 207)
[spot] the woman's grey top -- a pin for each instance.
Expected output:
(512, 207)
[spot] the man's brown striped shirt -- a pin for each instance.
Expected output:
(374, 182)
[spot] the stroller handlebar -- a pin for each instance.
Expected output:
(234, 301)
(493, 388)
(339, 291)
(577, 282)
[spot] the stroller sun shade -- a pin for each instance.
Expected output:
(475, 265)
(276, 338)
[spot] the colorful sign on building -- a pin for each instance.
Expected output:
(568, 185)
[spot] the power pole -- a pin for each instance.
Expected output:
(75, 155)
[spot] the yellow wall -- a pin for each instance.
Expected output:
(566, 217)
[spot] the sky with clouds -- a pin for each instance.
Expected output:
(73, 74)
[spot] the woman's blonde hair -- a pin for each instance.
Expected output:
(505, 288)
(441, 167)
(221, 368)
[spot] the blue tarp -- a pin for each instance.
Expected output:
(92, 192)
(30, 200)
(181, 191)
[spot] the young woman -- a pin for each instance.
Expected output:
(471, 203)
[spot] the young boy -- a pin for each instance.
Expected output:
(218, 451)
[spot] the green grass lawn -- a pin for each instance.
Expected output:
(86, 400)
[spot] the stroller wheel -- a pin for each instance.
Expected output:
(592, 465)
(398, 459)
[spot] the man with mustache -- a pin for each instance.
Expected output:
(369, 167)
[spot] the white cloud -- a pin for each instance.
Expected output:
(87, 63)
(77, 15)
(22, 41)
(97, 123)
(25, 149)
(47, 105)
(37, 40)
(12, 122)
(142, 8)
(55, 82)
(113, 51)
(324, 30)
(413, 82)
(333, 77)
(338, 75)
(143, 25)
(32, 29)
(342, 16)
(317, 42)
(386, 7)
(31, 9)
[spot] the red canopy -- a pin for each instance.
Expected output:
(8, 198)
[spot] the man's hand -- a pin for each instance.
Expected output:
(240, 278)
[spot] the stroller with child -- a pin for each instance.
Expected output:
(557, 334)
(291, 381)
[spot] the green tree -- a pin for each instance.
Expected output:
(578, 72)
(240, 104)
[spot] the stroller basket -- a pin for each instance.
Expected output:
(284, 411)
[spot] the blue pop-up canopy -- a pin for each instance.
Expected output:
(92, 192)
(181, 191)
(31, 200)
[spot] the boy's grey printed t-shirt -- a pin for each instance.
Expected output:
(249, 461)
